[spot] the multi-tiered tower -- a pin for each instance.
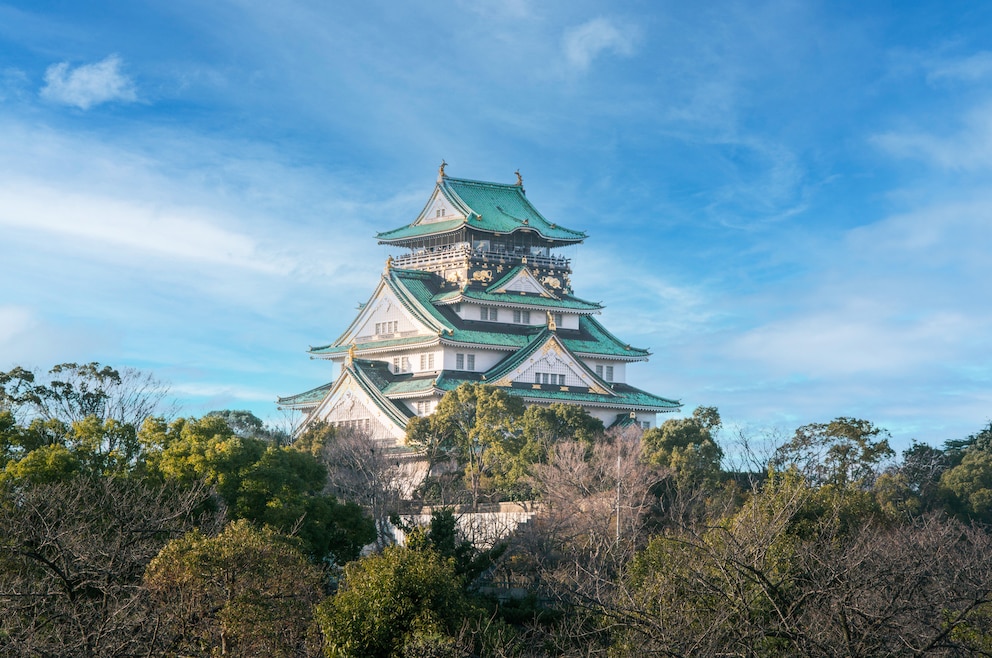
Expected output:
(479, 297)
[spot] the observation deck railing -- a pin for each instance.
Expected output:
(435, 256)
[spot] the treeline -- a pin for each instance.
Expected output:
(124, 533)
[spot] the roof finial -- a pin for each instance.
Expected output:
(520, 179)
(389, 263)
(552, 326)
(351, 354)
(440, 170)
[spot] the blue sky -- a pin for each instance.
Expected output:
(790, 203)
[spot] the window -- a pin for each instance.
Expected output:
(558, 322)
(405, 364)
(439, 212)
(427, 361)
(521, 317)
(490, 314)
(382, 328)
(646, 424)
(463, 363)
(609, 373)
(549, 378)
(599, 370)
(459, 362)
(396, 364)
(470, 361)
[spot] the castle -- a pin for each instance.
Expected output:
(479, 296)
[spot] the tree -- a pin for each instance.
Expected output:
(363, 470)
(394, 602)
(687, 446)
(247, 425)
(280, 487)
(72, 555)
(785, 577)
(245, 592)
(71, 392)
(845, 451)
(477, 426)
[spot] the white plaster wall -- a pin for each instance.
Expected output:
(619, 368)
(484, 359)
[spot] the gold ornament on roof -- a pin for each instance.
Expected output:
(520, 179)
(440, 171)
(389, 263)
(351, 354)
(551, 322)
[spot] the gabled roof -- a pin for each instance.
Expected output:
(520, 277)
(305, 399)
(562, 301)
(622, 396)
(371, 377)
(487, 207)
(500, 373)
(419, 293)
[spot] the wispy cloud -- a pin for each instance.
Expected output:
(586, 42)
(968, 148)
(115, 223)
(89, 84)
(966, 69)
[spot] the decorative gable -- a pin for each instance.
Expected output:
(522, 281)
(551, 364)
(348, 405)
(384, 318)
(439, 209)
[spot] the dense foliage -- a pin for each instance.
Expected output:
(124, 532)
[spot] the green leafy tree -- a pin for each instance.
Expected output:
(244, 592)
(280, 487)
(544, 427)
(394, 603)
(845, 451)
(479, 427)
(687, 446)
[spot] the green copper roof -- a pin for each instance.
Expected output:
(307, 398)
(489, 207)
(624, 396)
(418, 290)
(516, 299)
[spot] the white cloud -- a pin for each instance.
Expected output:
(88, 85)
(175, 233)
(970, 148)
(584, 43)
(966, 69)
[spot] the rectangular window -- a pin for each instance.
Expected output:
(423, 362)
(537, 378)
(516, 316)
(459, 362)
(430, 361)
(493, 314)
(526, 317)
(521, 317)
(558, 320)
(609, 373)
(646, 424)
(471, 362)
(544, 378)
(561, 380)
(483, 313)
(396, 364)
(405, 364)
(599, 371)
